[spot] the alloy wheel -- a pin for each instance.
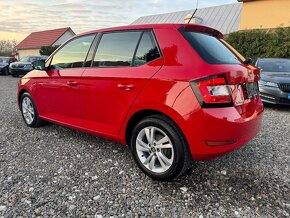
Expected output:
(154, 149)
(28, 110)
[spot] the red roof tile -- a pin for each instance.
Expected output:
(43, 38)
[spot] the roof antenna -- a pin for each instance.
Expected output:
(192, 16)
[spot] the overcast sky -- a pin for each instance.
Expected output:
(26, 16)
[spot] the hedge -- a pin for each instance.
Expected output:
(262, 43)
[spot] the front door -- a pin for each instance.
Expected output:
(59, 91)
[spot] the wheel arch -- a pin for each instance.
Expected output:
(137, 116)
(20, 93)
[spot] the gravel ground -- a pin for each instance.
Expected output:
(55, 171)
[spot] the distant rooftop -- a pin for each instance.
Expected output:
(43, 38)
(225, 18)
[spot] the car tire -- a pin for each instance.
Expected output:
(14, 75)
(165, 155)
(29, 111)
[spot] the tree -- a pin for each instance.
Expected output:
(7, 47)
(48, 50)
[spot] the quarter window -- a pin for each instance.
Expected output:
(116, 49)
(147, 50)
(73, 54)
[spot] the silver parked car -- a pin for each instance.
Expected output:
(275, 80)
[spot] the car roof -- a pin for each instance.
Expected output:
(155, 26)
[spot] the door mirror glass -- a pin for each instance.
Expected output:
(39, 64)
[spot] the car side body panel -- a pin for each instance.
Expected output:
(98, 105)
(107, 94)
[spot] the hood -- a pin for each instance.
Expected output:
(276, 77)
(20, 63)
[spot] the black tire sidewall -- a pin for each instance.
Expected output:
(35, 119)
(178, 147)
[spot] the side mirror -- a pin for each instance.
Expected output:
(39, 65)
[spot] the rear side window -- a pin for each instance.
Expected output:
(147, 50)
(72, 54)
(116, 49)
(211, 49)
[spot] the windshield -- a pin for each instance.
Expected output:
(30, 59)
(278, 65)
(211, 49)
(4, 60)
(25, 59)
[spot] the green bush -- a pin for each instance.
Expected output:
(48, 50)
(262, 43)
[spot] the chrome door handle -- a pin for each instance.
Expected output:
(72, 83)
(126, 87)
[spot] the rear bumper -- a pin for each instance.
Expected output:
(215, 131)
(274, 95)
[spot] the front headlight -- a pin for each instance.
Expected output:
(267, 83)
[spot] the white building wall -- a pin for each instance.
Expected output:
(27, 52)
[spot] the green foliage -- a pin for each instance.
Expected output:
(262, 43)
(47, 50)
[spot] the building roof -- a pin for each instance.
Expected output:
(43, 38)
(225, 18)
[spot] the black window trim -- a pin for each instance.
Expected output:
(152, 36)
(92, 50)
(136, 49)
(49, 59)
(155, 41)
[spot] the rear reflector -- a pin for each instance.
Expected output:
(220, 143)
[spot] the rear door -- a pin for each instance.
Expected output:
(59, 91)
(123, 63)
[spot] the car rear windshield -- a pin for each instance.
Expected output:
(274, 65)
(211, 49)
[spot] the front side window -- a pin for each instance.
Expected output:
(147, 50)
(116, 49)
(73, 54)
(210, 48)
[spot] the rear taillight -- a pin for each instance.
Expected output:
(212, 92)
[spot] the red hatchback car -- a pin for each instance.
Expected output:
(173, 92)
